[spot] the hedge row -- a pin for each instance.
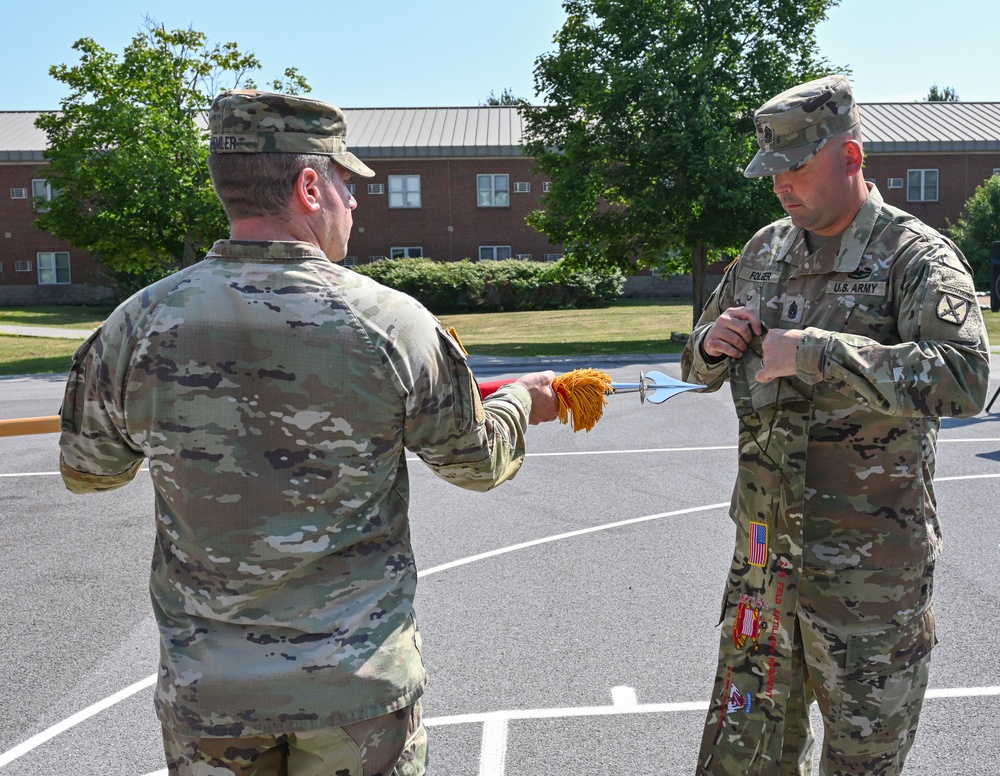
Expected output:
(495, 286)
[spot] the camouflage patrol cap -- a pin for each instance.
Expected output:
(247, 121)
(795, 125)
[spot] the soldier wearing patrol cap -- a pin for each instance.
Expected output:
(274, 395)
(846, 331)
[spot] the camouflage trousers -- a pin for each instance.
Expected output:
(391, 745)
(859, 646)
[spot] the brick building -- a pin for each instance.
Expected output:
(452, 184)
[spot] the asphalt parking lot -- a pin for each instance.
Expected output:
(568, 616)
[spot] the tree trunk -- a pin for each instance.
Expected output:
(699, 273)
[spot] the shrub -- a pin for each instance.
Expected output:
(496, 286)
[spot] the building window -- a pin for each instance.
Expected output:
(404, 191)
(375, 258)
(522, 188)
(41, 190)
(351, 189)
(547, 186)
(494, 252)
(376, 188)
(411, 252)
(350, 261)
(18, 193)
(494, 190)
(53, 268)
(895, 183)
(921, 185)
(524, 256)
(553, 256)
(22, 266)
(996, 170)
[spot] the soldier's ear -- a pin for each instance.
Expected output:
(305, 193)
(854, 156)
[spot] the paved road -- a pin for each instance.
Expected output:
(568, 617)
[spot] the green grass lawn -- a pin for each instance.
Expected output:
(62, 317)
(629, 327)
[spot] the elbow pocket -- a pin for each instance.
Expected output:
(71, 412)
(469, 412)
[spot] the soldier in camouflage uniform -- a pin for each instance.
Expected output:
(846, 331)
(274, 394)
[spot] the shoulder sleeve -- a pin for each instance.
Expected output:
(941, 366)
(94, 452)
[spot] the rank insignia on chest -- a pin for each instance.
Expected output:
(953, 309)
(757, 554)
(793, 308)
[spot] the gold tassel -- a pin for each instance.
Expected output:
(582, 394)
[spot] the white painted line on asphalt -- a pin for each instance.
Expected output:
(964, 692)
(624, 697)
(568, 535)
(569, 453)
(76, 719)
(968, 477)
(647, 708)
(493, 753)
(632, 452)
(52, 732)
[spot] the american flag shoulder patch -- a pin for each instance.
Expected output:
(758, 544)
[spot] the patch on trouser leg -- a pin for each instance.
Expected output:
(883, 691)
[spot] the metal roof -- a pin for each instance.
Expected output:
(373, 133)
(405, 132)
(20, 140)
(930, 127)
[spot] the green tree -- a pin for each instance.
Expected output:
(506, 98)
(647, 125)
(937, 95)
(978, 227)
(128, 150)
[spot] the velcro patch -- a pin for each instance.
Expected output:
(866, 288)
(952, 308)
(760, 275)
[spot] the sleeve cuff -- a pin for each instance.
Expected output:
(810, 355)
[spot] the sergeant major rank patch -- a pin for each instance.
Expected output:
(952, 308)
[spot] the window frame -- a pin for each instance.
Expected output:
(42, 259)
(405, 251)
(494, 249)
(923, 185)
(404, 193)
(495, 195)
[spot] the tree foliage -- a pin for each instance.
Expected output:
(506, 98)
(948, 94)
(978, 227)
(128, 150)
(648, 125)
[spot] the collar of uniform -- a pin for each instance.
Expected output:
(852, 241)
(264, 250)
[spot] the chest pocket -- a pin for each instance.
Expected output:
(864, 308)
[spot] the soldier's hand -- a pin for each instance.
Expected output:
(544, 402)
(732, 332)
(779, 347)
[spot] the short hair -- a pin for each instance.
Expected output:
(254, 185)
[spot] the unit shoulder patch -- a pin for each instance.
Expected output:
(952, 308)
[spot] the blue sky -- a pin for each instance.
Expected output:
(386, 53)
